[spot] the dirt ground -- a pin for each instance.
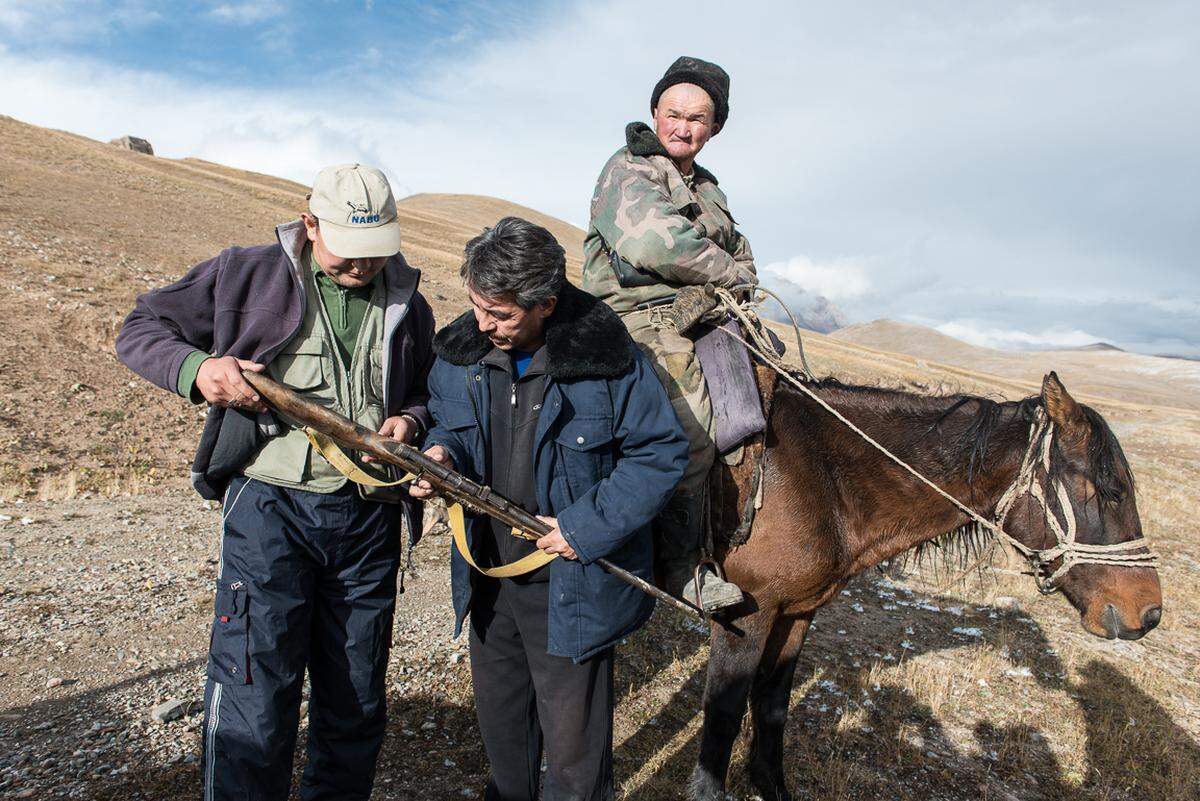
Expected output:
(909, 688)
(904, 691)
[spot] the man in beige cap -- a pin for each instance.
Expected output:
(308, 566)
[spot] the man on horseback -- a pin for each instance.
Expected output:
(659, 223)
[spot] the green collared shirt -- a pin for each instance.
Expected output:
(346, 308)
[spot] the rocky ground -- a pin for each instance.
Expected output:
(904, 691)
(105, 608)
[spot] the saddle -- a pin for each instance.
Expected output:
(740, 390)
(735, 482)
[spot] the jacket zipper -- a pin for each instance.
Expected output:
(475, 410)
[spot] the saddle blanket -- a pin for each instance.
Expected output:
(737, 408)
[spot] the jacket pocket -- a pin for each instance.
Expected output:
(457, 419)
(375, 376)
(714, 220)
(229, 650)
(723, 204)
(586, 449)
(454, 413)
(303, 365)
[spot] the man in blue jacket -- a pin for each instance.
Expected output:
(540, 393)
(307, 576)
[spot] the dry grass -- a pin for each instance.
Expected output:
(1004, 715)
(893, 702)
(69, 274)
(890, 702)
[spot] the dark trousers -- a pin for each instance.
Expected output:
(306, 581)
(528, 701)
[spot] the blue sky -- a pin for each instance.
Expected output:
(259, 44)
(1017, 175)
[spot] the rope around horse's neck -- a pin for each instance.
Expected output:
(1070, 551)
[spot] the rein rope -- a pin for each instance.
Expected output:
(1041, 435)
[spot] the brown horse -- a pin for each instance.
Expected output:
(834, 506)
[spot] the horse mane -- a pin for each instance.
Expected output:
(1108, 469)
(969, 544)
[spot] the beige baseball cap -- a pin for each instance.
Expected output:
(357, 211)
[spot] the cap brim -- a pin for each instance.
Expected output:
(356, 242)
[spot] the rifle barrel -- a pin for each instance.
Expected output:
(447, 482)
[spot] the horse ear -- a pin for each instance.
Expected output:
(1061, 407)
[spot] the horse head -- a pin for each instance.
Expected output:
(1074, 510)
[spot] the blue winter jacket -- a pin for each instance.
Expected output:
(609, 453)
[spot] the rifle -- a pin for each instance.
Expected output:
(447, 482)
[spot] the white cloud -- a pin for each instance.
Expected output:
(1188, 306)
(16, 14)
(246, 13)
(837, 280)
(975, 332)
(271, 132)
(71, 21)
(924, 159)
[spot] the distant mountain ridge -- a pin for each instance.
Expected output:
(1096, 368)
(85, 227)
(1097, 346)
(813, 311)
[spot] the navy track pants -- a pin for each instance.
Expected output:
(529, 702)
(306, 580)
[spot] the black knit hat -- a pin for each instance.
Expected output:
(705, 74)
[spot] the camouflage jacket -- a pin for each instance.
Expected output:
(654, 230)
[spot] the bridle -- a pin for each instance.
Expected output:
(1067, 548)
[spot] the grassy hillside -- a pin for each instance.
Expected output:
(84, 227)
(1097, 371)
(908, 689)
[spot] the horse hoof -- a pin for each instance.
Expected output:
(703, 787)
(769, 784)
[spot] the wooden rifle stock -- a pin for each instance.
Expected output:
(446, 482)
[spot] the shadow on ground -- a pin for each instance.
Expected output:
(896, 747)
(837, 746)
(431, 750)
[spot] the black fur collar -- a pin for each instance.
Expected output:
(642, 141)
(584, 339)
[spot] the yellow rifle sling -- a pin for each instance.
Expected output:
(346, 466)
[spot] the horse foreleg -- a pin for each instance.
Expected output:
(769, 701)
(732, 662)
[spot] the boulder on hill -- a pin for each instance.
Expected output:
(133, 143)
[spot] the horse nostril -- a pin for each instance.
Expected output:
(1111, 621)
(1151, 617)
